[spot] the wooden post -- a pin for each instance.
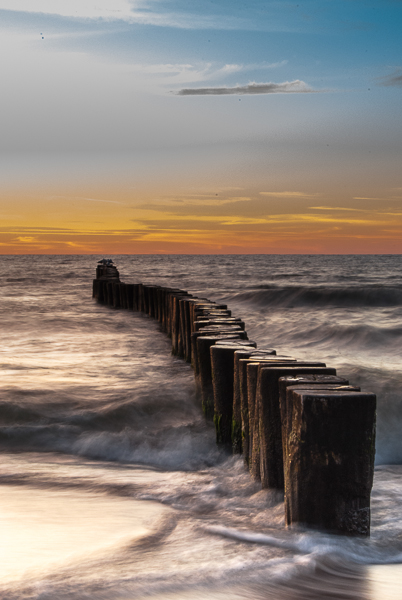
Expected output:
(200, 323)
(204, 344)
(222, 363)
(177, 344)
(106, 273)
(116, 295)
(123, 296)
(130, 296)
(306, 381)
(240, 424)
(200, 304)
(285, 386)
(270, 426)
(184, 332)
(110, 293)
(331, 461)
(251, 366)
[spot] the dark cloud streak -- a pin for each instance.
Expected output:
(287, 87)
(394, 80)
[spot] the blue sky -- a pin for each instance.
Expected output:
(148, 100)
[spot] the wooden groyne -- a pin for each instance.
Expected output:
(300, 427)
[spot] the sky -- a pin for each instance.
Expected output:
(200, 127)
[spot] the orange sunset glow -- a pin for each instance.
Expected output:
(223, 221)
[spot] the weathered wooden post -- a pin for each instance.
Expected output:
(159, 299)
(161, 303)
(224, 331)
(222, 363)
(227, 412)
(177, 344)
(203, 357)
(136, 299)
(330, 462)
(239, 343)
(184, 333)
(240, 436)
(190, 307)
(130, 296)
(225, 337)
(207, 322)
(249, 372)
(106, 273)
(311, 382)
(110, 293)
(102, 291)
(270, 425)
(172, 321)
(151, 305)
(141, 305)
(116, 295)
(95, 289)
(210, 314)
(145, 298)
(165, 316)
(299, 381)
(201, 304)
(123, 296)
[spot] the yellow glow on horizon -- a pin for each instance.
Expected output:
(99, 221)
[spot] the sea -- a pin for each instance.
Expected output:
(111, 483)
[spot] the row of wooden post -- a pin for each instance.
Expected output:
(300, 427)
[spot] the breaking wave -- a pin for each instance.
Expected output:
(317, 297)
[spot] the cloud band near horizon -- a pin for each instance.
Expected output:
(287, 87)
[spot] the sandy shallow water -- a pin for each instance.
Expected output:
(43, 531)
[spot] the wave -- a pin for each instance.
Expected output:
(360, 336)
(359, 551)
(168, 432)
(322, 296)
(183, 448)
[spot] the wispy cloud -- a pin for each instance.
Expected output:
(80, 198)
(287, 87)
(143, 12)
(185, 73)
(25, 239)
(365, 198)
(288, 194)
(98, 200)
(191, 201)
(342, 208)
(392, 80)
(84, 9)
(57, 231)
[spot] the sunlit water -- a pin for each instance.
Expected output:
(111, 482)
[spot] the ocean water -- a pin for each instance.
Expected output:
(112, 486)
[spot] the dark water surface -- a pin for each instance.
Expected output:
(111, 483)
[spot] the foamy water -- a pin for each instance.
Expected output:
(112, 484)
